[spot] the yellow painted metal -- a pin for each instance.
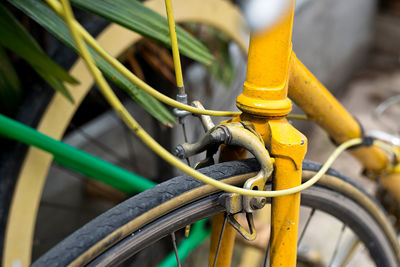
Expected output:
(396, 169)
(113, 100)
(265, 96)
(221, 14)
(320, 105)
(265, 88)
(289, 147)
(391, 182)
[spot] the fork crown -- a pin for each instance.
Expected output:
(264, 102)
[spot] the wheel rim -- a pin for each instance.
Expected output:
(25, 203)
(140, 224)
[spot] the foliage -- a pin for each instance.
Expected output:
(129, 13)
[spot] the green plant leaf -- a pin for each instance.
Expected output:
(10, 86)
(46, 17)
(55, 83)
(14, 37)
(222, 68)
(149, 103)
(135, 16)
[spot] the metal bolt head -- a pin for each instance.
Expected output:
(180, 152)
(258, 202)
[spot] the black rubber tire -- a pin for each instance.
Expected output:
(36, 97)
(12, 153)
(114, 227)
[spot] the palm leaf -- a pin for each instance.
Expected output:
(14, 37)
(46, 17)
(137, 17)
(10, 86)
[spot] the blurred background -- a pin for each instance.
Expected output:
(352, 46)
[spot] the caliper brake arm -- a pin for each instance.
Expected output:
(238, 134)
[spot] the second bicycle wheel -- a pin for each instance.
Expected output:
(23, 181)
(123, 233)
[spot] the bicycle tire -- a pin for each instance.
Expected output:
(148, 216)
(57, 115)
(32, 108)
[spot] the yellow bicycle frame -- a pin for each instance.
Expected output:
(273, 74)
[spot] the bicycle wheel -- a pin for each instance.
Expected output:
(19, 207)
(128, 228)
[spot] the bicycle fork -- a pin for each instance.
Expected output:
(288, 146)
(264, 102)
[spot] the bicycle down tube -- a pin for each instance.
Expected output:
(318, 103)
(273, 73)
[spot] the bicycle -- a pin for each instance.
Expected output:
(248, 167)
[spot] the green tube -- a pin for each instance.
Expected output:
(75, 159)
(197, 235)
(98, 169)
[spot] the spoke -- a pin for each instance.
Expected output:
(186, 139)
(350, 258)
(175, 248)
(184, 132)
(267, 252)
(347, 252)
(303, 231)
(266, 260)
(98, 144)
(129, 144)
(73, 174)
(337, 245)
(77, 175)
(127, 133)
(220, 240)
